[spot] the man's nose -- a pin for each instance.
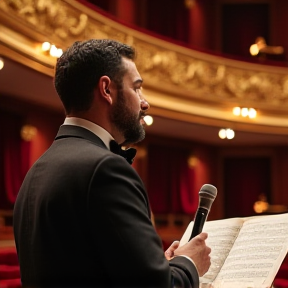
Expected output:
(144, 105)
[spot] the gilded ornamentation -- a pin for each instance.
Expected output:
(49, 16)
(208, 80)
(162, 66)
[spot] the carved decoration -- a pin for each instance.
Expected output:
(210, 80)
(49, 16)
(160, 64)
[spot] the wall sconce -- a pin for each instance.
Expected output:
(148, 120)
(28, 132)
(260, 46)
(260, 206)
(227, 133)
(52, 49)
(192, 161)
(244, 112)
(189, 3)
(1, 63)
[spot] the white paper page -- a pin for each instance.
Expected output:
(256, 255)
(221, 237)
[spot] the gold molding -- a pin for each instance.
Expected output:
(177, 79)
(25, 51)
(52, 18)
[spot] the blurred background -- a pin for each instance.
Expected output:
(215, 74)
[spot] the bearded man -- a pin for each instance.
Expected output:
(82, 215)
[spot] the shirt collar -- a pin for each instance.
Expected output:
(104, 135)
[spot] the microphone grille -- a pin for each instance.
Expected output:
(209, 191)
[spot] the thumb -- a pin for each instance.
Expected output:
(174, 245)
(170, 251)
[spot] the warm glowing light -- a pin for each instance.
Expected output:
(141, 152)
(278, 50)
(222, 134)
(254, 50)
(59, 52)
(192, 161)
(230, 134)
(236, 111)
(226, 133)
(1, 63)
(262, 205)
(53, 51)
(148, 120)
(46, 46)
(189, 3)
(261, 46)
(244, 112)
(252, 113)
(28, 132)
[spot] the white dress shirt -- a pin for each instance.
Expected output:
(104, 135)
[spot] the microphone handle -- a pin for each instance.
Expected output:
(199, 221)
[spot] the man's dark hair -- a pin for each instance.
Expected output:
(80, 67)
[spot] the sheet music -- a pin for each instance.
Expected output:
(252, 262)
(246, 252)
(221, 237)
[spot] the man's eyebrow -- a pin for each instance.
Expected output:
(138, 81)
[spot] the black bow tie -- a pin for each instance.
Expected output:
(128, 154)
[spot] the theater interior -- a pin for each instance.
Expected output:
(216, 77)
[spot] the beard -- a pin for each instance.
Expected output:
(127, 121)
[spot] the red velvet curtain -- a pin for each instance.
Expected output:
(245, 179)
(242, 24)
(14, 158)
(169, 18)
(171, 181)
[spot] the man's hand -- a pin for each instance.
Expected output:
(195, 249)
(169, 253)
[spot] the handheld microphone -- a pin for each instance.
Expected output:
(207, 194)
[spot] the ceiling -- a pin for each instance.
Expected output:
(20, 82)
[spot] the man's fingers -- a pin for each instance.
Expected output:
(203, 236)
(170, 251)
(174, 245)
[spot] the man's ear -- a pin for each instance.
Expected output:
(104, 84)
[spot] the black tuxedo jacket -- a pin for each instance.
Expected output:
(82, 219)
